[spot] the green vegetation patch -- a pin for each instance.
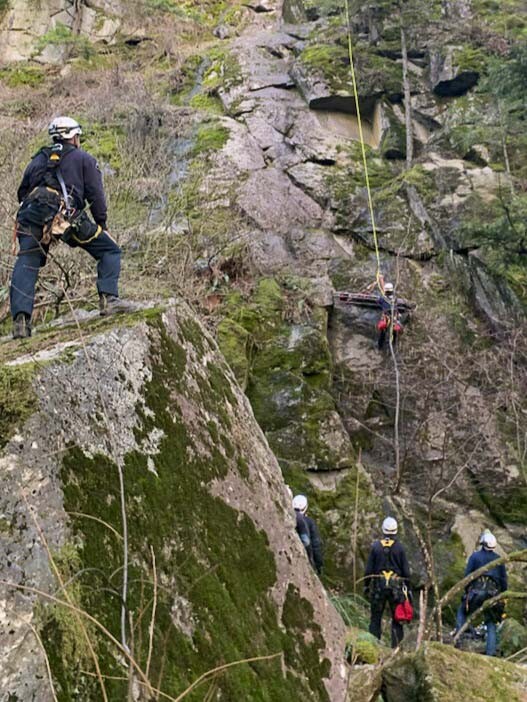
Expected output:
(375, 74)
(507, 17)
(224, 71)
(23, 74)
(288, 366)
(63, 37)
(211, 136)
(17, 398)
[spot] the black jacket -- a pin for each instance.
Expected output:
(316, 544)
(383, 557)
(82, 177)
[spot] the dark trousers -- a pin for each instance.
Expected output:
(380, 596)
(32, 257)
(384, 336)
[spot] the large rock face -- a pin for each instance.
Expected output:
(215, 570)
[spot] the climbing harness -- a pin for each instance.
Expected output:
(49, 206)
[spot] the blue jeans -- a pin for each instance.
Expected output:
(461, 618)
(32, 257)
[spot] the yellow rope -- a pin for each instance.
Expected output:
(376, 242)
(363, 149)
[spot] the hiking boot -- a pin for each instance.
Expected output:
(21, 326)
(111, 304)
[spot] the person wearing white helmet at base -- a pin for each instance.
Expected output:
(488, 585)
(387, 571)
(58, 183)
(308, 532)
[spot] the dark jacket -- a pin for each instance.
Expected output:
(385, 557)
(481, 558)
(302, 529)
(82, 177)
(385, 303)
(316, 544)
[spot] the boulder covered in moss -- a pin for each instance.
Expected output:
(513, 637)
(143, 515)
(439, 673)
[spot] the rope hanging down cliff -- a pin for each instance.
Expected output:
(363, 147)
(377, 253)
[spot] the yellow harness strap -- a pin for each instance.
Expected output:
(388, 574)
(87, 241)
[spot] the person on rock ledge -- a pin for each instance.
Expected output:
(387, 571)
(57, 184)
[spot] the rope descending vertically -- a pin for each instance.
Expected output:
(363, 147)
(396, 441)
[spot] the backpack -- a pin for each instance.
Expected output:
(480, 590)
(48, 204)
(46, 200)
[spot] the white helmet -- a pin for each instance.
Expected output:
(300, 503)
(483, 535)
(488, 540)
(388, 288)
(389, 526)
(64, 128)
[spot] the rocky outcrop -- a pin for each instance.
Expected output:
(447, 75)
(25, 26)
(438, 672)
(139, 460)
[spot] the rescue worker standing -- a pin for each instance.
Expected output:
(488, 585)
(308, 532)
(39, 193)
(386, 573)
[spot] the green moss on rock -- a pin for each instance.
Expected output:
(363, 647)
(212, 562)
(234, 342)
(512, 638)
(439, 673)
(17, 398)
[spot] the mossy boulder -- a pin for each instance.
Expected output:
(513, 637)
(439, 673)
(363, 647)
(143, 426)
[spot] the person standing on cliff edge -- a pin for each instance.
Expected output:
(56, 185)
